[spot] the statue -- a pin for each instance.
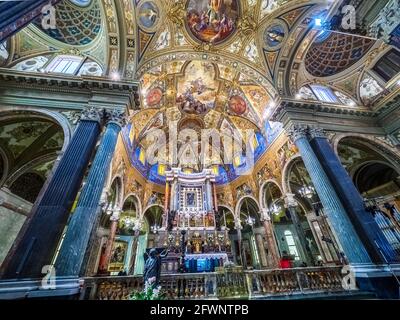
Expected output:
(152, 267)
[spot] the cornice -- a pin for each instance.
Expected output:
(65, 82)
(317, 106)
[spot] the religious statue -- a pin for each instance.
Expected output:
(152, 267)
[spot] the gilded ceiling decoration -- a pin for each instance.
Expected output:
(204, 64)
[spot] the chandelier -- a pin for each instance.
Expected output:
(155, 228)
(275, 209)
(307, 192)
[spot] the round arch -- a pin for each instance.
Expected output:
(286, 171)
(261, 192)
(240, 202)
(389, 153)
(120, 189)
(61, 120)
(139, 204)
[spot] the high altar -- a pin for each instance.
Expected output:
(193, 231)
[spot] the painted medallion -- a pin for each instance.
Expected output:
(212, 21)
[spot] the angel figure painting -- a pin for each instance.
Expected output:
(212, 21)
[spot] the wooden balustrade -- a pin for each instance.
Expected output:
(223, 284)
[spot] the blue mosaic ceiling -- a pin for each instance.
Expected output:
(335, 54)
(75, 26)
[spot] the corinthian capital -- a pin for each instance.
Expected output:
(316, 132)
(296, 132)
(116, 116)
(92, 114)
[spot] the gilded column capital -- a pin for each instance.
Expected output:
(317, 132)
(297, 131)
(92, 114)
(116, 116)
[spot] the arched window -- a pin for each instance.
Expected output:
(64, 64)
(324, 94)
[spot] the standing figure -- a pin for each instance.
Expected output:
(152, 267)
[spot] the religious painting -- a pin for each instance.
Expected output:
(212, 21)
(148, 15)
(190, 199)
(197, 89)
(237, 105)
(154, 96)
(274, 35)
(118, 254)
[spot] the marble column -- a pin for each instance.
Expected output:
(166, 204)
(299, 232)
(131, 271)
(38, 241)
(346, 234)
(111, 238)
(273, 253)
(70, 259)
(214, 185)
(363, 221)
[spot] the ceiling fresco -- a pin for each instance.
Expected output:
(205, 64)
(212, 21)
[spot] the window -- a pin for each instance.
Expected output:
(215, 170)
(291, 245)
(64, 64)
(324, 94)
(142, 156)
(388, 66)
(161, 169)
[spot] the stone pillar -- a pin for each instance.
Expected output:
(111, 238)
(166, 204)
(352, 246)
(38, 241)
(76, 241)
(238, 228)
(292, 204)
(131, 271)
(363, 221)
(273, 253)
(215, 196)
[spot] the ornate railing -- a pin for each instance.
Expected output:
(295, 281)
(224, 284)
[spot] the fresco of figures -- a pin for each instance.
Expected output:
(212, 21)
(198, 89)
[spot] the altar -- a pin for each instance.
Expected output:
(191, 229)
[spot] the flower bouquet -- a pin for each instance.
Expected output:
(150, 292)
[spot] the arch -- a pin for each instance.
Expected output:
(145, 216)
(228, 208)
(240, 202)
(389, 153)
(120, 189)
(261, 192)
(139, 204)
(285, 173)
(57, 117)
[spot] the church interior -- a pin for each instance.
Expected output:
(245, 149)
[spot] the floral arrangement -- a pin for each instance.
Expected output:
(150, 292)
